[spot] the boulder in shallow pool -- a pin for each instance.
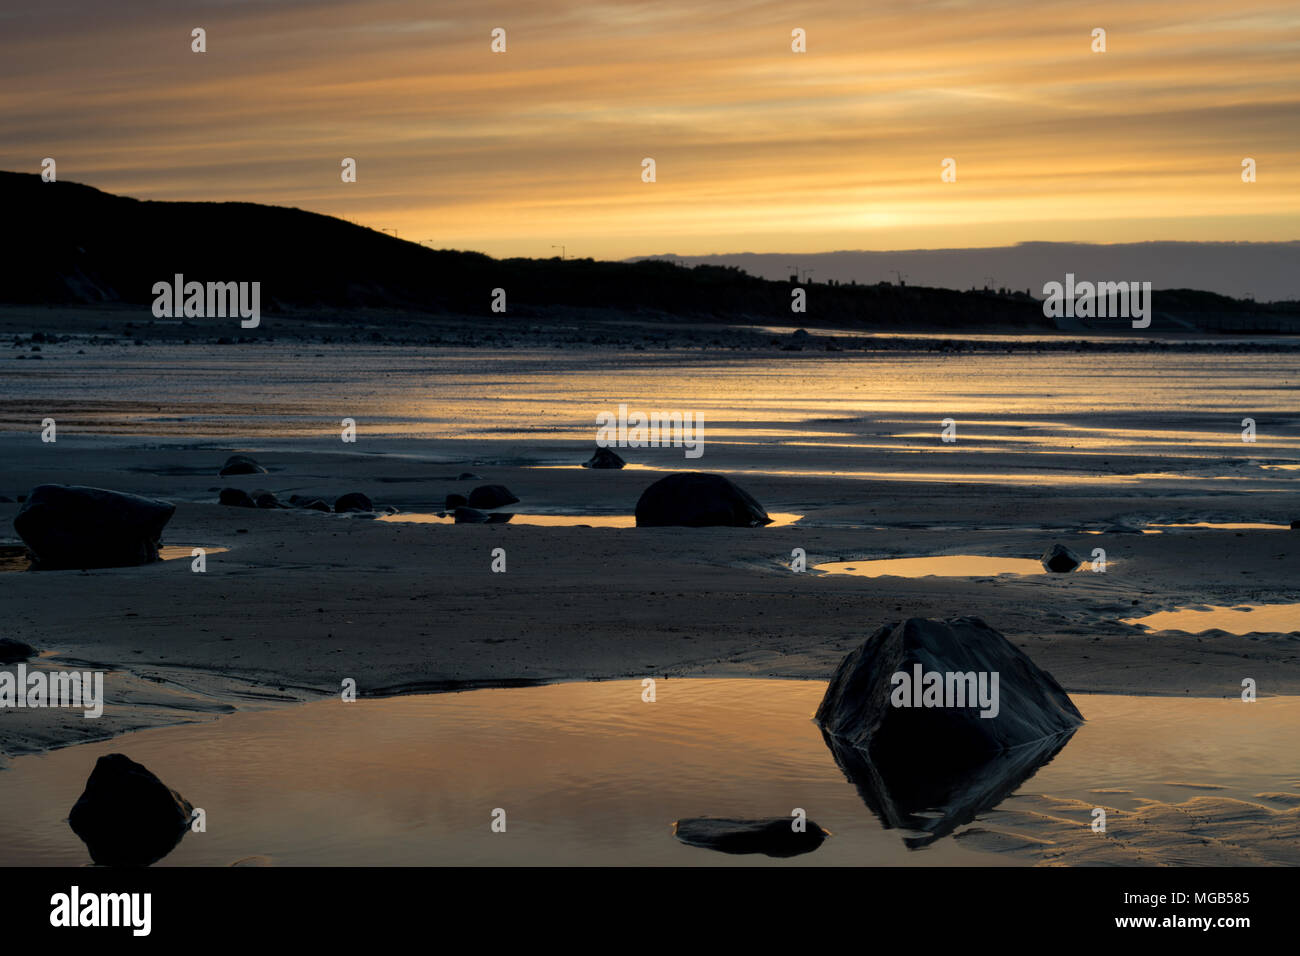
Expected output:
(241, 465)
(126, 816)
(72, 526)
(695, 500)
(883, 700)
(491, 496)
(1059, 559)
(774, 836)
(604, 458)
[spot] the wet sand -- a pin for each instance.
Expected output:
(303, 600)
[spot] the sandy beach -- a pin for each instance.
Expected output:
(845, 449)
(301, 600)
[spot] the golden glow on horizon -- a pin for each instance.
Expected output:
(757, 148)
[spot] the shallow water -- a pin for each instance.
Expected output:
(1092, 408)
(942, 566)
(1222, 526)
(589, 773)
(1241, 619)
(557, 521)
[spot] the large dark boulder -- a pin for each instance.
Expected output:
(126, 816)
(71, 526)
(491, 496)
(352, 501)
(455, 501)
(241, 465)
(604, 458)
(1059, 559)
(236, 498)
(696, 500)
(862, 704)
(774, 836)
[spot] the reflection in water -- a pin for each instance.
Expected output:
(943, 565)
(593, 775)
(1243, 619)
(932, 798)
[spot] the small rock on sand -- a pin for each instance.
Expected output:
(352, 501)
(491, 496)
(604, 458)
(1060, 559)
(241, 465)
(773, 836)
(236, 498)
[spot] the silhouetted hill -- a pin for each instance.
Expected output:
(83, 246)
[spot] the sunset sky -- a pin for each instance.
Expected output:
(757, 148)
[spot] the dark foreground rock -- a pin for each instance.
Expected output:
(236, 498)
(774, 836)
(604, 458)
(241, 465)
(72, 527)
(266, 499)
(352, 501)
(455, 501)
(126, 816)
(695, 500)
(1295, 525)
(867, 707)
(491, 496)
(1060, 559)
(12, 651)
(470, 516)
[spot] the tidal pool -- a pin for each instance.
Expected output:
(942, 566)
(1240, 619)
(592, 774)
(1224, 526)
(554, 520)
